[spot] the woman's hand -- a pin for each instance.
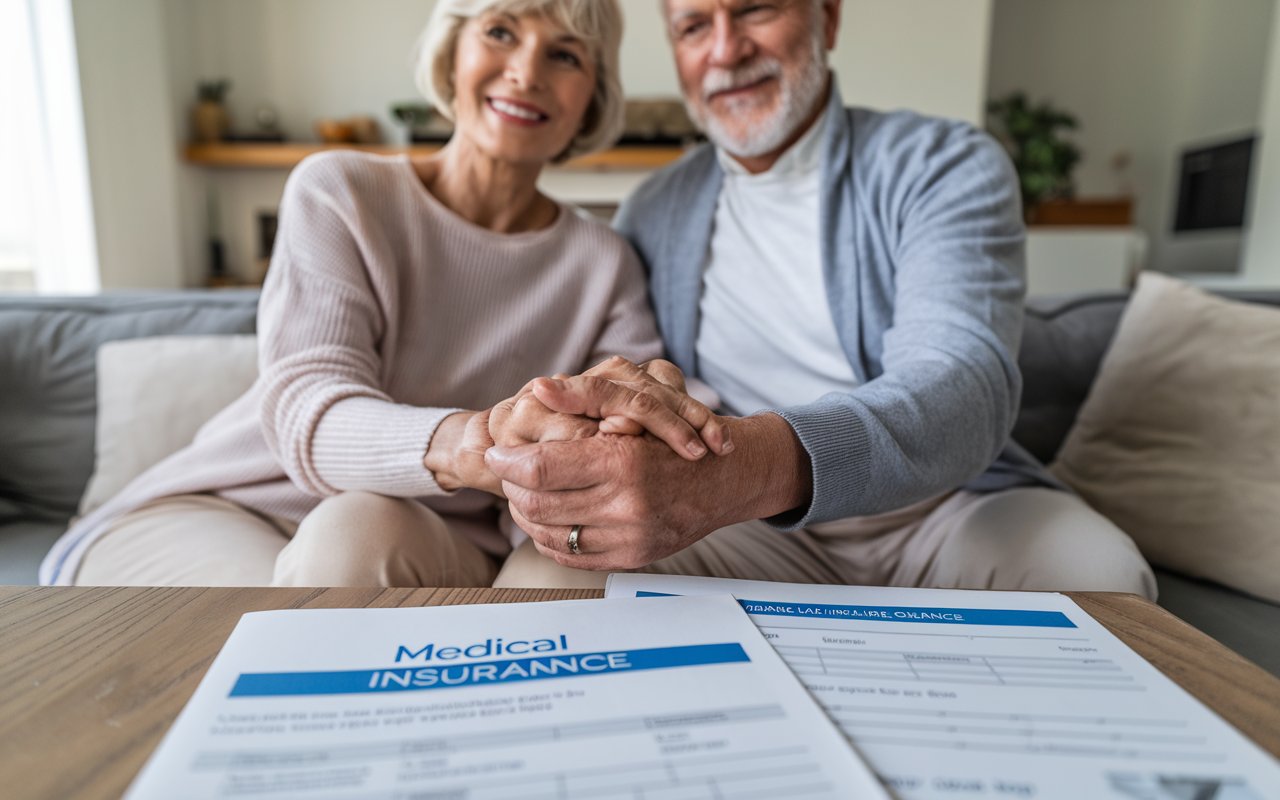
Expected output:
(615, 396)
(456, 453)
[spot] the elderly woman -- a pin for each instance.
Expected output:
(403, 292)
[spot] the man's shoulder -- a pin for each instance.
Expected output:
(903, 141)
(693, 168)
(665, 201)
(904, 121)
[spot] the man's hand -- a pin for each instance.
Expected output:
(660, 379)
(524, 419)
(640, 502)
(615, 396)
(624, 489)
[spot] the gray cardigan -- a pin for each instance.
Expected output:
(923, 250)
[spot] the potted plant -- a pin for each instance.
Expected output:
(209, 119)
(1033, 136)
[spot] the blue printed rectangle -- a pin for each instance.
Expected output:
(932, 616)
(453, 675)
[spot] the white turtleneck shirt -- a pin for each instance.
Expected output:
(766, 338)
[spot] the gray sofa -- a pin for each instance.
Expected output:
(47, 412)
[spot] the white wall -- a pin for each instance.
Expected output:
(191, 183)
(140, 60)
(927, 55)
(1147, 78)
(131, 142)
(317, 58)
(1262, 253)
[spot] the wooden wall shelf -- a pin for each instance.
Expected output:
(1089, 212)
(287, 156)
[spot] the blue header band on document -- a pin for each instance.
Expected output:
(933, 616)
(412, 679)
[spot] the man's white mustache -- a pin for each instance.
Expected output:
(724, 80)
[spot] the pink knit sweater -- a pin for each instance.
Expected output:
(383, 313)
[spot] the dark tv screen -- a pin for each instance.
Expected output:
(1214, 188)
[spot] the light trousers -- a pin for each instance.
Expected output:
(1028, 539)
(352, 539)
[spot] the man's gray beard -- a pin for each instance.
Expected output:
(794, 106)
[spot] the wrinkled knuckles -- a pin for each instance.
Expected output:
(582, 428)
(644, 404)
(528, 407)
(535, 507)
(501, 412)
(620, 368)
(528, 473)
(661, 367)
(516, 495)
(694, 411)
(596, 385)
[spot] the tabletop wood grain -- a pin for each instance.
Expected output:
(92, 678)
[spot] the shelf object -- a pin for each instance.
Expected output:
(287, 156)
(1083, 213)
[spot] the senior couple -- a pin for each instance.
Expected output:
(462, 381)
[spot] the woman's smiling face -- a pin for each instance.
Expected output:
(522, 86)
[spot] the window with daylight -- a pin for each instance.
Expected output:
(46, 223)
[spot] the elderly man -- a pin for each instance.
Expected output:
(853, 281)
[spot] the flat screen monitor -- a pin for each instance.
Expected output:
(1214, 188)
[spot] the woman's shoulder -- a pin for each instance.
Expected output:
(343, 173)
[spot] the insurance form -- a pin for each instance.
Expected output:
(965, 694)
(676, 698)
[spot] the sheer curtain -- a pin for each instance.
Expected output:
(47, 239)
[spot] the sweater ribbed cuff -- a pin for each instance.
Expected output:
(839, 451)
(365, 444)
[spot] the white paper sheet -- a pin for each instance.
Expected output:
(965, 694)
(676, 698)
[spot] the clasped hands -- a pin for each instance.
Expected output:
(621, 449)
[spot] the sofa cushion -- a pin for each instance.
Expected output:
(22, 548)
(1240, 622)
(47, 368)
(1062, 346)
(1063, 342)
(1177, 441)
(154, 394)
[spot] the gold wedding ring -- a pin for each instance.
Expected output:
(573, 539)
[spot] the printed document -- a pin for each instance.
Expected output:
(674, 698)
(967, 694)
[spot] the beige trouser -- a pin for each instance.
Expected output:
(353, 539)
(1032, 539)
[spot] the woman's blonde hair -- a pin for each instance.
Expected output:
(598, 23)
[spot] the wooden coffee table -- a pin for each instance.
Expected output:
(90, 679)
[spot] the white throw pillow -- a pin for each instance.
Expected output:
(1178, 442)
(154, 394)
